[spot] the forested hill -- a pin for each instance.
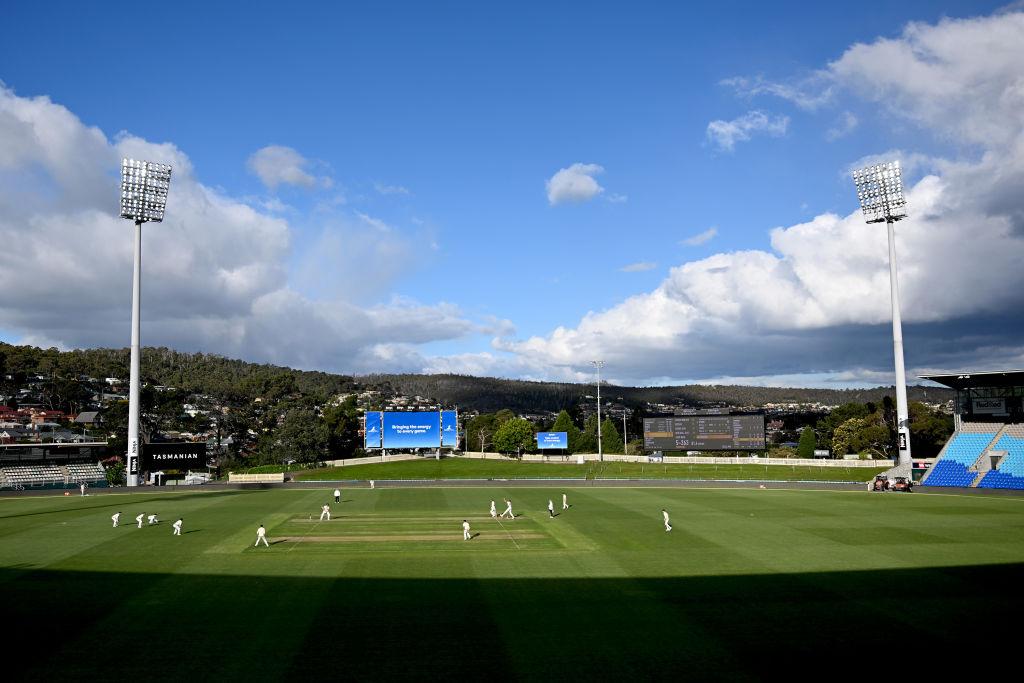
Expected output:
(231, 380)
(488, 394)
(236, 380)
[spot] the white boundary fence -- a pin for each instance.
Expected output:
(263, 478)
(376, 458)
(590, 457)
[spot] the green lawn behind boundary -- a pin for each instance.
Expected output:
(467, 468)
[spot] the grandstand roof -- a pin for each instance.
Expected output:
(967, 380)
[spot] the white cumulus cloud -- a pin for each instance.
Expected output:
(216, 271)
(725, 134)
(574, 184)
(639, 267)
(845, 125)
(277, 165)
(700, 238)
(817, 301)
(810, 93)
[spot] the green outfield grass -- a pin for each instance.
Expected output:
(750, 582)
(469, 468)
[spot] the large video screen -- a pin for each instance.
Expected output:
(412, 430)
(705, 432)
(371, 429)
(557, 440)
(449, 429)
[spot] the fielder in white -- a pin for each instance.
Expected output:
(664, 513)
(116, 518)
(337, 495)
(565, 502)
(325, 511)
(372, 485)
(465, 531)
(494, 511)
(142, 516)
(152, 519)
(508, 510)
(261, 535)
(177, 527)
(551, 508)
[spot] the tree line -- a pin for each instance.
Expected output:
(869, 429)
(274, 414)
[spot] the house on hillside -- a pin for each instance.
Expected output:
(64, 436)
(88, 418)
(15, 434)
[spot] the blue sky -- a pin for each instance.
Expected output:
(512, 190)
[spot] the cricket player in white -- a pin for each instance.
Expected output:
(177, 527)
(494, 511)
(565, 502)
(465, 531)
(337, 495)
(372, 485)
(82, 486)
(664, 513)
(551, 508)
(508, 510)
(116, 518)
(152, 519)
(142, 516)
(261, 535)
(325, 511)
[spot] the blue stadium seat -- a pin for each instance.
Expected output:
(1010, 474)
(962, 451)
(948, 473)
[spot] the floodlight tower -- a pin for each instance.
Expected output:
(880, 191)
(144, 188)
(598, 364)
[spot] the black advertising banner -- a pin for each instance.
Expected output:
(179, 456)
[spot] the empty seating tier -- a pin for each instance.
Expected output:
(953, 467)
(33, 475)
(1010, 474)
(86, 473)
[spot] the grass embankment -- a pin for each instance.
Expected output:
(467, 468)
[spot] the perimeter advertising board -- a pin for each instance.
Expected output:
(553, 440)
(449, 429)
(178, 456)
(412, 430)
(371, 429)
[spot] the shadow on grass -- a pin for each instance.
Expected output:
(112, 626)
(117, 501)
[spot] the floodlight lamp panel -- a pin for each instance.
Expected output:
(144, 187)
(880, 192)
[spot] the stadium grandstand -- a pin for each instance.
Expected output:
(986, 449)
(52, 465)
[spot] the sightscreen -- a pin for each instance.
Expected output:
(705, 432)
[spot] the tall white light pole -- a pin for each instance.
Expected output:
(598, 364)
(625, 441)
(880, 191)
(144, 188)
